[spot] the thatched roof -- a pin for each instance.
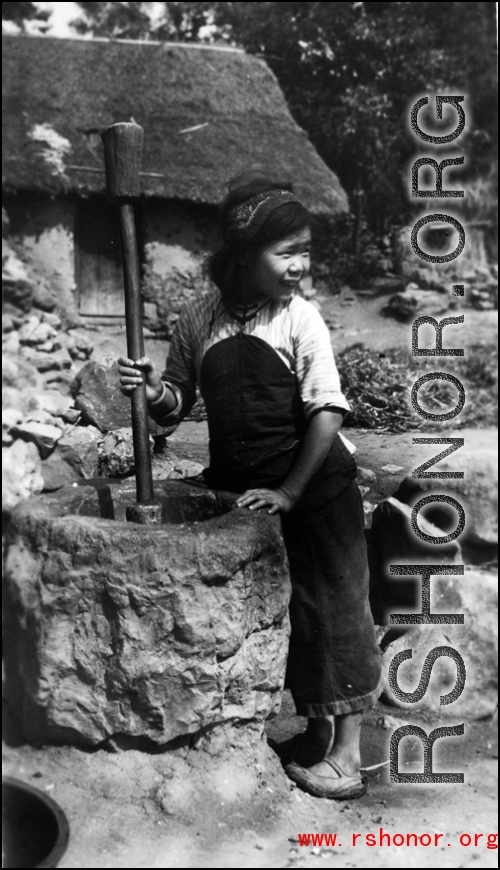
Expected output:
(59, 94)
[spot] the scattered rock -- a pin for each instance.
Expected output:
(122, 629)
(477, 492)
(58, 360)
(10, 323)
(33, 334)
(484, 298)
(98, 397)
(393, 469)
(21, 473)
(44, 417)
(58, 380)
(476, 641)
(53, 319)
(55, 403)
(11, 343)
(10, 419)
(44, 436)
(388, 284)
(405, 306)
(43, 299)
(116, 451)
(79, 345)
(366, 475)
(20, 383)
(71, 415)
(76, 457)
(18, 293)
(185, 468)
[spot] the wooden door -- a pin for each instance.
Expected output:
(98, 264)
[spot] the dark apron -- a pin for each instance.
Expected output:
(256, 421)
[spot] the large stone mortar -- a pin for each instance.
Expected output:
(151, 632)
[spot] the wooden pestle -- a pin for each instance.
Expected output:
(122, 157)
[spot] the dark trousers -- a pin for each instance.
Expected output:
(334, 660)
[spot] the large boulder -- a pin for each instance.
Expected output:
(414, 301)
(144, 631)
(477, 492)
(97, 395)
(392, 541)
(475, 595)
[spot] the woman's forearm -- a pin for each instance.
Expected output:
(166, 402)
(312, 452)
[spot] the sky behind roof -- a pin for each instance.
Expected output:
(62, 14)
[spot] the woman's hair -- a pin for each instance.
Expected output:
(223, 267)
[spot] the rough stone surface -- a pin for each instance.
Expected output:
(36, 334)
(17, 289)
(405, 306)
(185, 468)
(55, 403)
(475, 595)
(79, 345)
(116, 451)
(477, 492)
(43, 299)
(44, 436)
(58, 360)
(157, 632)
(21, 476)
(97, 395)
(75, 458)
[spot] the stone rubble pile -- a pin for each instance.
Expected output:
(427, 287)
(64, 418)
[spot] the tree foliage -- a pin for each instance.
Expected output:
(21, 12)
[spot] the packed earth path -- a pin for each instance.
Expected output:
(117, 820)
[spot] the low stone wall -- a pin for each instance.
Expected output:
(116, 629)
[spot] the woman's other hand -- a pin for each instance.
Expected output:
(274, 499)
(132, 374)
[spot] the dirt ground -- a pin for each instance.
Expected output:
(117, 820)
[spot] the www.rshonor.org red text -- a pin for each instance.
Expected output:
(385, 838)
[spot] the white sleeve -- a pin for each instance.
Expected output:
(315, 368)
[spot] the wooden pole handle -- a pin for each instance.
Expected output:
(122, 156)
(122, 159)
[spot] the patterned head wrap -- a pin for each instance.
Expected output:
(245, 220)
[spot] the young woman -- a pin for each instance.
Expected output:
(262, 358)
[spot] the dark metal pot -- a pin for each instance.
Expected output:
(35, 829)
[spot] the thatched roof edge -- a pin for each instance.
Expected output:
(208, 116)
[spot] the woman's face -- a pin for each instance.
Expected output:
(276, 269)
